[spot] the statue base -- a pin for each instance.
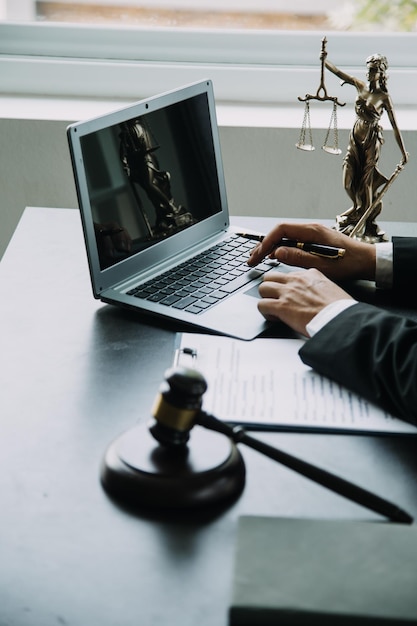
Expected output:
(370, 232)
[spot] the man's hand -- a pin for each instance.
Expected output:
(357, 263)
(297, 297)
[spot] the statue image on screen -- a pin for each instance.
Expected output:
(141, 166)
(150, 177)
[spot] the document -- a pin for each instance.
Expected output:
(263, 384)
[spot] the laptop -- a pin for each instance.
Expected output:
(152, 197)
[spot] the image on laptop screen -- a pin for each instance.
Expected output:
(150, 177)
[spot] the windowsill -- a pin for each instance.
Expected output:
(229, 114)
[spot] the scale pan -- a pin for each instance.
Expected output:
(305, 146)
(331, 150)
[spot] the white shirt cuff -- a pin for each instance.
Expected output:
(383, 269)
(327, 314)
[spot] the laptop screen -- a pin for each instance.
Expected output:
(150, 177)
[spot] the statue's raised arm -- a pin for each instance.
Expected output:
(344, 77)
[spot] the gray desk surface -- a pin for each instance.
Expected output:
(74, 375)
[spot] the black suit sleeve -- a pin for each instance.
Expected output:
(405, 269)
(372, 352)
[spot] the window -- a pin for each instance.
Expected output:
(391, 15)
(270, 14)
(119, 60)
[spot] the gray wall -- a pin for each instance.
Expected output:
(265, 174)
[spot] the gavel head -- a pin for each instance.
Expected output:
(178, 403)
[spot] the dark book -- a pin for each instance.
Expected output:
(299, 572)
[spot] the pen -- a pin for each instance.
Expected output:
(329, 252)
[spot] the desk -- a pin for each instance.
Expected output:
(74, 375)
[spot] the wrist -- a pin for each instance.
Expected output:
(370, 263)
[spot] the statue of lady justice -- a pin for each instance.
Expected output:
(137, 153)
(362, 180)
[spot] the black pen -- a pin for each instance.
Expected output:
(329, 252)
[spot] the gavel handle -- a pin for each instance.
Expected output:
(322, 477)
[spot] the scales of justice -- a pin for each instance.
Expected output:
(362, 180)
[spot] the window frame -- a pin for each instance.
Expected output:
(246, 66)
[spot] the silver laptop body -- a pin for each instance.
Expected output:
(152, 196)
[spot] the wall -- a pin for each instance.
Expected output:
(266, 175)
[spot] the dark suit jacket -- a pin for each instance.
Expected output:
(372, 351)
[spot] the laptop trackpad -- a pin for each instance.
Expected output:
(253, 291)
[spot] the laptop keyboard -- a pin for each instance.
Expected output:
(200, 283)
